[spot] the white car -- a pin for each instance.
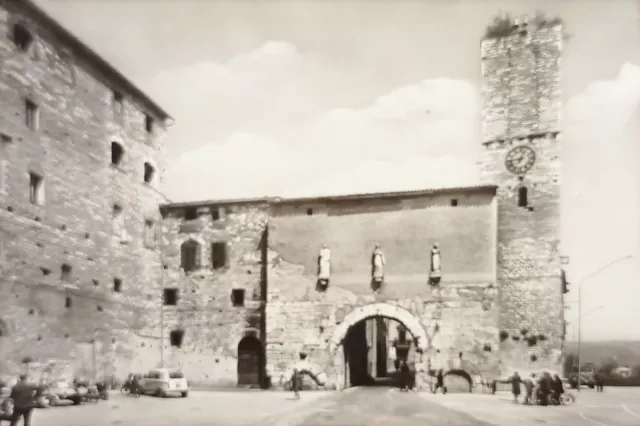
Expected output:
(164, 382)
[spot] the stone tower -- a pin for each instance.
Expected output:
(521, 147)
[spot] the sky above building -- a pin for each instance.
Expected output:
(314, 97)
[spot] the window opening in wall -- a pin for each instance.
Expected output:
(36, 189)
(95, 282)
(219, 255)
(523, 196)
(68, 302)
(175, 338)
(65, 273)
(217, 213)
(31, 114)
(170, 296)
(190, 256)
(149, 233)
(191, 213)
(148, 124)
(454, 202)
(117, 103)
(117, 152)
(309, 212)
(22, 37)
(237, 297)
(149, 172)
(117, 285)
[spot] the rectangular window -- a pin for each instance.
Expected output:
(149, 234)
(117, 285)
(175, 338)
(65, 273)
(3, 176)
(36, 189)
(117, 102)
(118, 221)
(170, 296)
(219, 255)
(32, 115)
(68, 303)
(454, 202)
(148, 124)
(237, 297)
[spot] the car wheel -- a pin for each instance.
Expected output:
(77, 400)
(185, 394)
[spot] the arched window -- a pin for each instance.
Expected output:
(190, 255)
(523, 196)
(22, 37)
(149, 172)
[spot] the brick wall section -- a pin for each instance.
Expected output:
(213, 326)
(71, 150)
(522, 107)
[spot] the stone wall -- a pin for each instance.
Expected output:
(47, 314)
(522, 103)
(212, 325)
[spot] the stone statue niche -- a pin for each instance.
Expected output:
(377, 268)
(324, 268)
(435, 271)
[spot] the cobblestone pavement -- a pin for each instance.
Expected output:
(614, 407)
(361, 407)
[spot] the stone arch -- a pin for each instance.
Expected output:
(461, 373)
(410, 321)
(250, 364)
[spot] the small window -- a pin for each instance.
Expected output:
(219, 255)
(65, 273)
(170, 296)
(22, 37)
(217, 213)
(68, 302)
(190, 256)
(36, 189)
(175, 338)
(149, 233)
(237, 297)
(32, 119)
(149, 172)
(117, 211)
(523, 196)
(117, 103)
(117, 285)
(117, 152)
(454, 202)
(191, 213)
(148, 124)
(309, 212)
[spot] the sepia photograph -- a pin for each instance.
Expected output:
(319, 212)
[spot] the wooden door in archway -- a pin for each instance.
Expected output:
(250, 358)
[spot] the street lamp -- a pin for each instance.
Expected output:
(579, 285)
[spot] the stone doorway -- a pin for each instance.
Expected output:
(250, 362)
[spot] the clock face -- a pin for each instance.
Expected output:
(520, 159)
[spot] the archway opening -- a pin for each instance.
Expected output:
(250, 362)
(375, 349)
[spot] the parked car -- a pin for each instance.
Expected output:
(164, 382)
(63, 390)
(587, 375)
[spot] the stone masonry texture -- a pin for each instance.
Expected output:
(522, 104)
(74, 323)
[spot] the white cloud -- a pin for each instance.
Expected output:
(417, 136)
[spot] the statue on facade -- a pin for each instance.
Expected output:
(377, 265)
(324, 267)
(435, 271)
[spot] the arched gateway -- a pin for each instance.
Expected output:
(344, 371)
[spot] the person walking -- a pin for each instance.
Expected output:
(24, 396)
(529, 385)
(440, 382)
(515, 386)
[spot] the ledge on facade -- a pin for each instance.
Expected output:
(489, 189)
(191, 227)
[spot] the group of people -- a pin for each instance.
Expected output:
(543, 389)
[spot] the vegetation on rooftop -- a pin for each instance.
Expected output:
(504, 25)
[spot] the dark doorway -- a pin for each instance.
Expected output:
(368, 350)
(250, 360)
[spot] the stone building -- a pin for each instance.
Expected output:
(243, 280)
(81, 161)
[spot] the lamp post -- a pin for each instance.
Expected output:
(579, 285)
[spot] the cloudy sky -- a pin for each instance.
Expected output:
(290, 97)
